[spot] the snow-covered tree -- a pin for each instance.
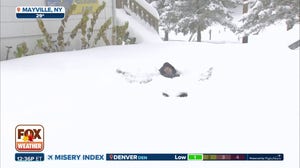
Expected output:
(150, 1)
(263, 13)
(197, 15)
(168, 15)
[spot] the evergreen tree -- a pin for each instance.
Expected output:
(263, 13)
(168, 15)
(197, 15)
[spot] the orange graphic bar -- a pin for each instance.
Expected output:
(29, 146)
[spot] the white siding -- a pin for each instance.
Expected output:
(15, 31)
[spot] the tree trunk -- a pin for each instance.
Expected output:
(166, 36)
(245, 39)
(198, 35)
(245, 10)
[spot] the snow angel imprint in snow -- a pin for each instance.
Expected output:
(168, 71)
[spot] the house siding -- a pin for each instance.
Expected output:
(15, 31)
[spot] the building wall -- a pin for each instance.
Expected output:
(15, 31)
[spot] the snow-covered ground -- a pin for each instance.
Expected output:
(249, 104)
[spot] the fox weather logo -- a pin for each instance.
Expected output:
(29, 138)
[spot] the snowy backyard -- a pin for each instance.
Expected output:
(240, 98)
(249, 103)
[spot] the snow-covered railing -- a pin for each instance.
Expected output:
(141, 8)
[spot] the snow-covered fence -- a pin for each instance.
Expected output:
(141, 8)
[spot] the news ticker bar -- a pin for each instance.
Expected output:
(33, 157)
(193, 157)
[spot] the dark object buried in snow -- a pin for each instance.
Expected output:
(165, 94)
(182, 94)
(168, 71)
(295, 45)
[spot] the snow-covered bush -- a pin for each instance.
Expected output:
(86, 32)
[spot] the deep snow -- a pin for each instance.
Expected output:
(250, 104)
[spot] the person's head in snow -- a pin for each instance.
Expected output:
(167, 70)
